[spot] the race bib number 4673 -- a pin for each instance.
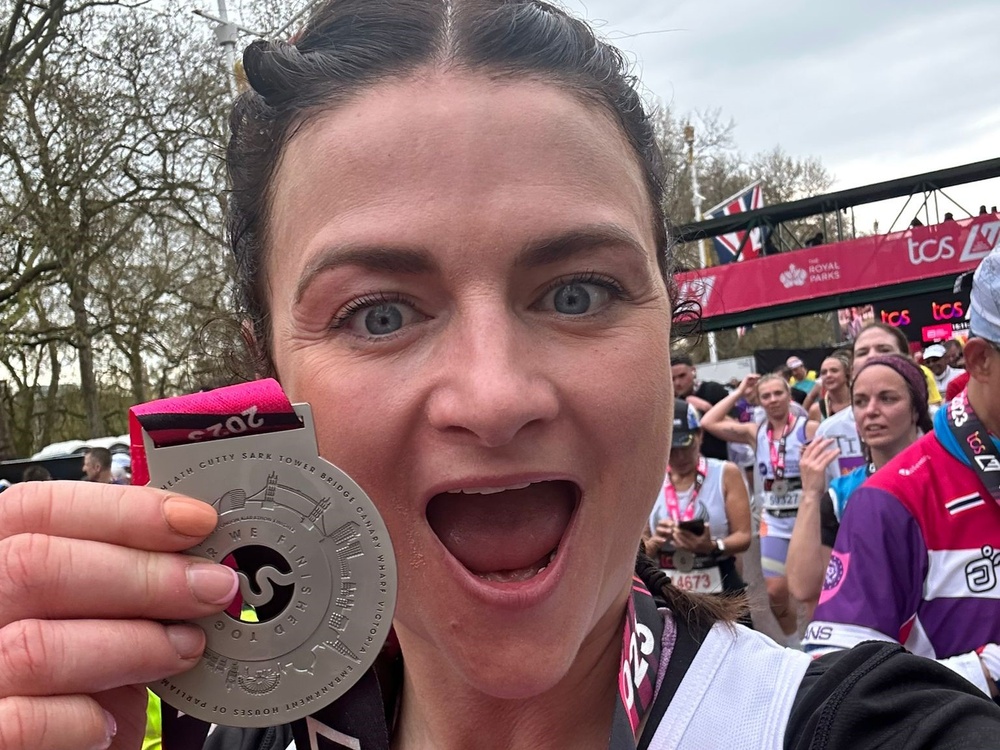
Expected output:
(706, 581)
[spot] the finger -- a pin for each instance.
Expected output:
(128, 706)
(54, 578)
(140, 517)
(54, 723)
(69, 657)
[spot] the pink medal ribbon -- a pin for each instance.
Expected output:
(778, 451)
(245, 409)
(670, 494)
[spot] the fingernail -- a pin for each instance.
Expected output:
(189, 517)
(111, 728)
(212, 584)
(188, 640)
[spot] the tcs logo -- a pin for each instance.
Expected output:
(930, 250)
(976, 443)
(947, 310)
(896, 317)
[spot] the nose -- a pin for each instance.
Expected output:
(494, 380)
(872, 408)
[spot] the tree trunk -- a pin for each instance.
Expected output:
(6, 444)
(136, 370)
(51, 396)
(85, 352)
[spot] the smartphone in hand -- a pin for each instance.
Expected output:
(696, 526)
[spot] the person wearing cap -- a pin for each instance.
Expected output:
(802, 378)
(917, 557)
(937, 360)
(701, 518)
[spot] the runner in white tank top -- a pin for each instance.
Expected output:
(778, 443)
(701, 517)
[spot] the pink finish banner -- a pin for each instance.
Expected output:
(841, 267)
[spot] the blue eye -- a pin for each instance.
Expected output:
(383, 319)
(377, 316)
(581, 296)
(572, 299)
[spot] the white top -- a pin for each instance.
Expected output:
(737, 694)
(842, 428)
(781, 527)
(711, 500)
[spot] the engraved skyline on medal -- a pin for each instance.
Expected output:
(317, 580)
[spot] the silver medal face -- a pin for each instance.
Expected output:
(780, 488)
(317, 582)
(684, 560)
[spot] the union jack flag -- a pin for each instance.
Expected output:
(727, 246)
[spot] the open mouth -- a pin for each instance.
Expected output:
(504, 534)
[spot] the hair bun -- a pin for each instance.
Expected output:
(272, 69)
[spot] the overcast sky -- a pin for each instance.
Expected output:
(876, 89)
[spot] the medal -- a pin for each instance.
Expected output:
(780, 488)
(316, 569)
(683, 560)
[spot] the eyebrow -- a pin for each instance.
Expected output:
(413, 262)
(576, 241)
(386, 259)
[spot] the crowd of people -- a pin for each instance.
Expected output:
(99, 465)
(880, 507)
(449, 239)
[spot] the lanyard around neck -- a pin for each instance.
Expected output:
(778, 453)
(670, 499)
(975, 442)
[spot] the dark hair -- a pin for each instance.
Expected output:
(695, 609)
(681, 359)
(916, 384)
(350, 45)
(901, 340)
(35, 473)
(101, 455)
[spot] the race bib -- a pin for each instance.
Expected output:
(788, 501)
(705, 581)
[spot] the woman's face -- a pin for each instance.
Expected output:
(832, 374)
(463, 284)
(872, 342)
(774, 397)
(685, 460)
(883, 408)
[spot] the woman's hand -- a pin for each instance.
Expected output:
(748, 384)
(698, 543)
(813, 462)
(661, 535)
(86, 572)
